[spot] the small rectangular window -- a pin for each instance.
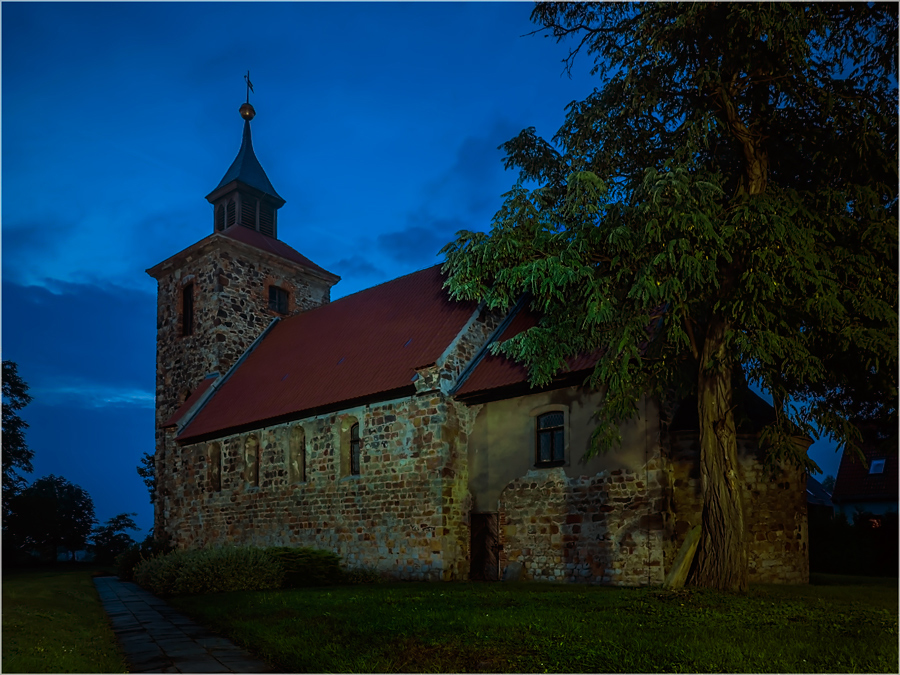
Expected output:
(187, 310)
(550, 440)
(877, 466)
(278, 300)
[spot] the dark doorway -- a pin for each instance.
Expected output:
(485, 547)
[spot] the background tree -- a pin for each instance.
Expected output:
(51, 513)
(111, 539)
(720, 211)
(828, 483)
(16, 454)
(147, 471)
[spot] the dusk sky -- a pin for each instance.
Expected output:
(378, 123)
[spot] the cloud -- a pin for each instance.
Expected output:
(99, 339)
(420, 242)
(356, 266)
(84, 394)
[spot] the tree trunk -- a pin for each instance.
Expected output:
(722, 554)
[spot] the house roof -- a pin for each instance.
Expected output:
(190, 401)
(365, 344)
(855, 483)
(498, 372)
(274, 246)
(816, 494)
(248, 237)
(247, 169)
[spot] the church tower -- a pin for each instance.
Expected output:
(217, 296)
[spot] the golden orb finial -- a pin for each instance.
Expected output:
(247, 111)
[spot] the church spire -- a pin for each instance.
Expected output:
(245, 195)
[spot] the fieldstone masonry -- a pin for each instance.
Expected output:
(229, 283)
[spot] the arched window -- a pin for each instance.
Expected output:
(351, 444)
(251, 461)
(214, 457)
(354, 450)
(297, 456)
(550, 445)
(220, 218)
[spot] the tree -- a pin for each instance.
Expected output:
(111, 539)
(828, 483)
(721, 210)
(147, 470)
(16, 454)
(51, 513)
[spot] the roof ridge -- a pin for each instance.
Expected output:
(361, 290)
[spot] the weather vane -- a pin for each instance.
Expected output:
(247, 111)
(249, 85)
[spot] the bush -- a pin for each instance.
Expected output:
(308, 566)
(362, 575)
(213, 570)
(147, 549)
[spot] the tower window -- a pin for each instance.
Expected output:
(266, 219)
(229, 218)
(278, 299)
(220, 218)
(248, 213)
(187, 310)
(550, 439)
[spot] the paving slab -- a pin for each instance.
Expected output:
(157, 639)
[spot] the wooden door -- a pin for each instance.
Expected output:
(485, 547)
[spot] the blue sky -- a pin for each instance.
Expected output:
(378, 123)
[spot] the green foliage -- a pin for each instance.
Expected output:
(213, 570)
(532, 628)
(51, 513)
(16, 454)
(362, 575)
(307, 566)
(736, 166)
(147, 471)
(128, 559)
(110, 540)
(53, 622)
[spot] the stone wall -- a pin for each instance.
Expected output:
(608, 528)
(774, 509)
(405, 514)
(231, 309)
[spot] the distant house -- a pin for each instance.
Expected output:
(818, 500)
(867, 489)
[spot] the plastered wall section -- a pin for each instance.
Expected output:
(775, 509)
(599, 521)
(230, 290)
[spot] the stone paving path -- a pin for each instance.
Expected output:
(157, 639)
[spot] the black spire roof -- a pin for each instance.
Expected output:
(247, 169)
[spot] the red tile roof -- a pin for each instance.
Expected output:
(495, 372)
(855, 483)
(275, 246)
(361, 345)
(189, 402)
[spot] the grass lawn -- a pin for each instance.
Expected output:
(827, 626)
(53, 622)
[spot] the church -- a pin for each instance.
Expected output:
(380, 427)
